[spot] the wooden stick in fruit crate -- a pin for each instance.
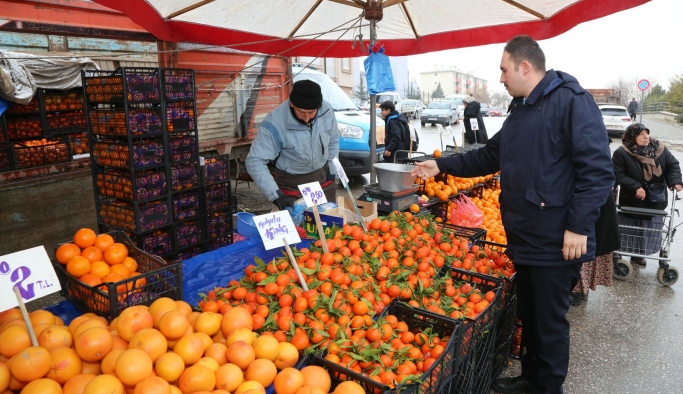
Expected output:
(24, 313)
(319, 225)
(294, 264)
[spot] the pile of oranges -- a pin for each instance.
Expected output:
(164, 348)
(443, 190)
(95, 259)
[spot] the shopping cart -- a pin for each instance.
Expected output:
(644, 233)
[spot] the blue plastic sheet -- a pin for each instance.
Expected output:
(378, 73)
(4, 104)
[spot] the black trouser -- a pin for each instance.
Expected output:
(543, 295)
(288, 183)
(633, 116)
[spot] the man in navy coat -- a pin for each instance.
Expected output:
(556, 173)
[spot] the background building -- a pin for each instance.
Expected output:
(341, 70)
(453, 81)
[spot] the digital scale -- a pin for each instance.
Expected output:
(390, 201)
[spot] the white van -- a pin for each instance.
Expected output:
(394, 97)
(457, 99)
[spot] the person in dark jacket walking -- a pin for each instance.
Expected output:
(396, 131)
(475, 130)
(556, 174)
(633, 109)
(643, 163)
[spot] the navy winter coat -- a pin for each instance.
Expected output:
(556, 170)
(396, 134)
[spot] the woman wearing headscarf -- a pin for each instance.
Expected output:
(645, 168)
(475, 130)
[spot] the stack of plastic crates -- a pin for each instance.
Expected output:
(6, 162)
(64, 114)
(219, 204)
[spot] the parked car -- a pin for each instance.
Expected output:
(616, 118)
(484, 109)
(457, 99)
(411, 108)
(495, 111)
(442, 112)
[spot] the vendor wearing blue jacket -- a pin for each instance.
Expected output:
(556, 174)
(299, 138)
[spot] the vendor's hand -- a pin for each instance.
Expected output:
(640, 193)
(387, 153)
(284, 201)
(678, 187)
(426, 169)
(574, 245)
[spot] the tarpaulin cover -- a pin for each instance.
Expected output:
(21, 74)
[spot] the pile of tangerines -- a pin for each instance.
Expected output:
(164, 348)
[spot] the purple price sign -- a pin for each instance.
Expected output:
(31, 272)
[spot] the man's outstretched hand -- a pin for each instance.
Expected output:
(425, 170)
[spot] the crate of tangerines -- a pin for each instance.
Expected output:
(106, 273)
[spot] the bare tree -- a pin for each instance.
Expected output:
(498, 99)
(625, 89)
(481, 95)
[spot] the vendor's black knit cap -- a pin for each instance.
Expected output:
(306, 94)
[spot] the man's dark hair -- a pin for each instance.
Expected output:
(388, 105)
(523, 48)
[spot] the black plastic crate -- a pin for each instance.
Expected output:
(504, 334)
(3, 135)
(24, 126)
(188, 233)
(216, 169)
(30, 153)
(117, 153)
(64, 111)
(472, 234)
(430, 381)
(133, 120)
(134, 216)
(191, 252)
(178, 84)
(219, 242)
(475, 191)
(125, 84)
(141, 185)
(5, 157)
(157, 243)
(181, 116)
(219, 224)
(79, 143)
(183, 146)
(33, 107)
(184, 176)
(158, 279)
(217, 197)
(186, 204)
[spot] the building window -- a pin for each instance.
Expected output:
(346, 64)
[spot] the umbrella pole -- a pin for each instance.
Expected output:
(373, 115)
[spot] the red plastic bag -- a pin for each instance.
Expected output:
(465, 213)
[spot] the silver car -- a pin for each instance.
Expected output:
(442, 112)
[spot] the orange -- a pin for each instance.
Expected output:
(41, 316)
(184, 307)
(66, 252)
(90, 323)
(78, 266)
(113, 278)
(93, 344)
(349, 387)
(130, 263)
(229, 377)
(151, 341)
(42, 386)
(310, 390)
(196, 378)
(120, 269)
(266, 346)
(92, 253)
(241, 354)
(108, 364)
(287, 356)
(217, 351)
(132, 320)
(85, 237)
(133, 366)
(65, 364)
(119, 343)
(103, 242)
(414, 208)
(115, 254)
(13, 340)
(169, 366)
(288, 381)
(94, 368)
(250, 386)
(104, 384)
(209, 323)
(153, 385)
(317, 377)
(173, 325)
(205, 339)
(91, 279)
(262, 371)
(209, 363)
(240, 334)
(78, 320)
(99, 268)
(76, 384)
(236, 318)
(31, 363)
(6, 376)
(190, 348)
(159, 308)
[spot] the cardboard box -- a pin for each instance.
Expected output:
(333, 217)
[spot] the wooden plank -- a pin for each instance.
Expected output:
(30, 191)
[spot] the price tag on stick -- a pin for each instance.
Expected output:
(313, 193)
(31, 272)
(321, 232)
(292, 260)
(340, 171)
(345, 181)
(275, 225)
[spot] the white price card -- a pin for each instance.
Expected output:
(29, 270)
(340, 171)
(474, 123)
(272, 227)
(313, 194)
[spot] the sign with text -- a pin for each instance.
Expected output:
(340, 171)
(31, 272)
(313, 194)
(474, 123)
(275, 225)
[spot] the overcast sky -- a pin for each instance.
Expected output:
(642, 42)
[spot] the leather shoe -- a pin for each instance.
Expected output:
(575, 298)
(516, 385)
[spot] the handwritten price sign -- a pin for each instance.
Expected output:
(272, 227)
(313, 194)
(31, 272)
(340, 171)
